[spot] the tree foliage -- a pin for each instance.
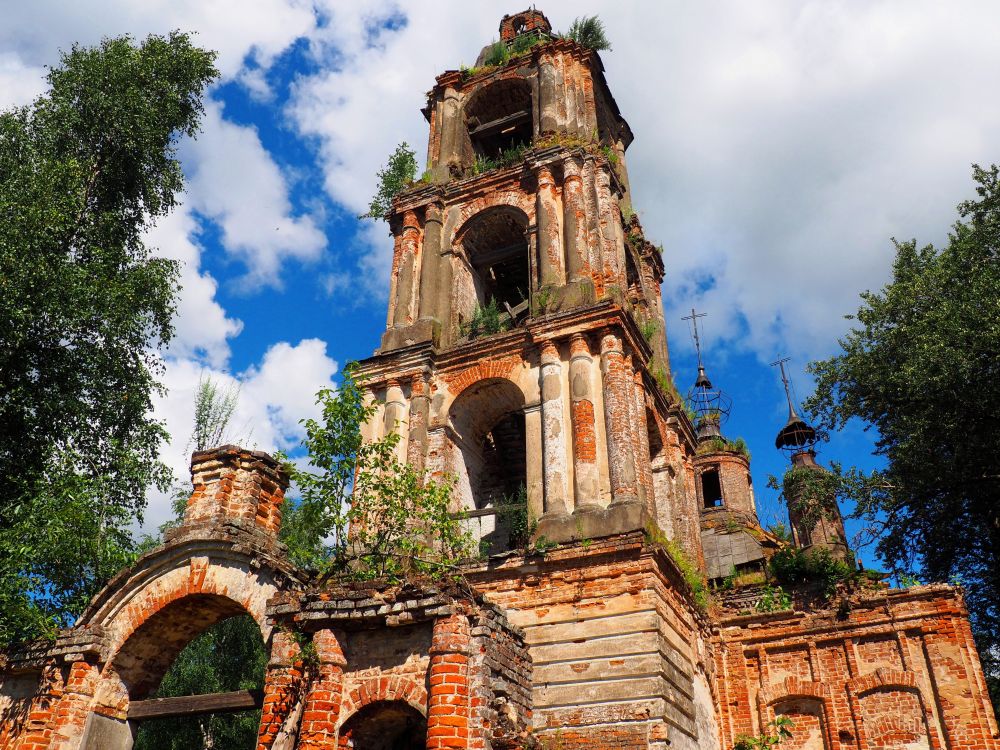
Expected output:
(364, 513)
(921, 366)
(84, 172)
(228, 656)
(393, 178)
(589, 32)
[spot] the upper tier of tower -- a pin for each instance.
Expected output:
(524, 210)
(527, 88)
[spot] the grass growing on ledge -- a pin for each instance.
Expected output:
(693, 577)
(720, 445)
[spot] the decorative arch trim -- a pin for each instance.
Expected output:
(490, 369)
(790, 688)
(510, 199)
(383, 688)
(883, 679)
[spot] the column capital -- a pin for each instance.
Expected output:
(579, 346)
(572, 167)
(548, 352)
(611, 342)
(433, 212)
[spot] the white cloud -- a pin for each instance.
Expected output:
(201, 327)
(778, 146)
(273, 397)
(37, 30)
(234, 182)
(19, 83)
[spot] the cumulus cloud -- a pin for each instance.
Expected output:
(233, 181)
(778, 147)
(36, 31)
(274, 395)
(202, 328)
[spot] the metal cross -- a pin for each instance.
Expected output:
(693, 317)
(785, 382)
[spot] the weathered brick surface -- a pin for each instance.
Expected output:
(895, 669)
(595, 644)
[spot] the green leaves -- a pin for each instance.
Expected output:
(589, 32)
(83, 308)
(393, 179)
(921, 367)
(363, 513)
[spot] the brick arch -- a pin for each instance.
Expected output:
(792, 687)
(805, 699)
(151, 611)
(883, 679)
(501, 368)
(383, 688)
(510, 198)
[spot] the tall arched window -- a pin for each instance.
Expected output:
(488, 423)
(495, 243)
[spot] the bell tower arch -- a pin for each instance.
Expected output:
(525, 332)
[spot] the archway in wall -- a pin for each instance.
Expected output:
(227, 658)
(498, 118)
(385, 725)
(202, 644)
(489, 426)
(495, 242)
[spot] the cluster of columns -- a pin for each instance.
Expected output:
(623, 396)
(578, 237)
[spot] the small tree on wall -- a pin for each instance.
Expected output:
(363, 513)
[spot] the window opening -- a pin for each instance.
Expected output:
(711, 489)
(502, 480)
(497, 248)
(499, 118)
(214, 689)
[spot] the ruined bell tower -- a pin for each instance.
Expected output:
(525, 348)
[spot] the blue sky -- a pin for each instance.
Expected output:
(779, 146)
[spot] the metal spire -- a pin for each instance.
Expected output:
(792, 416)
(702, 381)
(797, 435)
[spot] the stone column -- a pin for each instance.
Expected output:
(553, 435)
(609, 223)
(395, 413)
(547, 220)
(430, 262)
(643, 458)
(420, 404)
(574, 220)
(548, 95)
(282, 686)
(617, 397)
(321, 712)
(585, 469)
(448, 696)
(451, 124)
(442, 306)
(397, 258)
(404, 268)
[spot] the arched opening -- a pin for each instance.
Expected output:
(498, 118)
(488, 419)
(806, 715)
(711, 489)
(385, 725)
(495, 243)
(200, 645)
